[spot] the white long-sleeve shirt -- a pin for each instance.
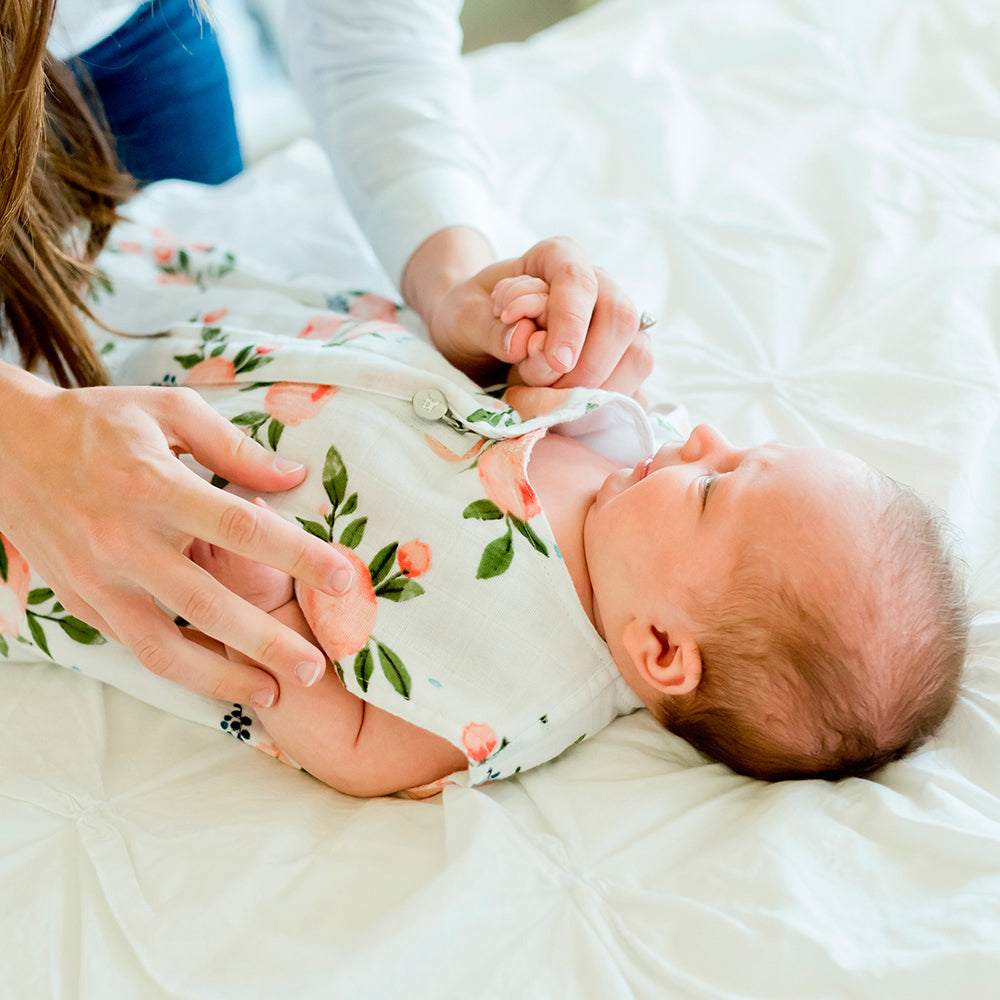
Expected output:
(391, 105)
(389, 96)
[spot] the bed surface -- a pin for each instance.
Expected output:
(805, 195)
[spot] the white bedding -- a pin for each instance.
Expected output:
(805, 194)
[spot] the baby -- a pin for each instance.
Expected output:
(791, 612)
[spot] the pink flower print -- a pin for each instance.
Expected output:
(174, 279)
(293, 402)
(13, 589)
(447, 454)
(370, 306)
(321, 327)
(414, 558)
(341, 624)
(479, 741)
(162, 254)
(533, 400)
(503, 471)
(215, 315)
(211, 371)
(129, 246)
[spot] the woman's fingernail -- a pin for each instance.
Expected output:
(287, 465)
(308, 672)
(341, 579)
(564, 355)
(263, 699)
(509, 338)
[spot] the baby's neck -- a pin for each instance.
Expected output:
(566, 476)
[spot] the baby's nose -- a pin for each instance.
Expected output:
(703, 441)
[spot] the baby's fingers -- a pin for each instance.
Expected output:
(521, 297)
(535, 370)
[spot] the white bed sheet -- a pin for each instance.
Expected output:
(805, 193)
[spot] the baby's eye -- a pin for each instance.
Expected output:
(706, 484)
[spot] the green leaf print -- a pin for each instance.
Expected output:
(399, 589)
(38, 635)
(382, 563)
(80, 631)
(314, 529)
(363, 666)
(3, 562)
(354, 532)
(350, 505)
(242, 356)
(4, 650)
(483, 510)
(188, 360)
(395, 672)
(334, 477)
(496, 556)
(529, 533)
(252, 418)
(274, 429)
(40, 595)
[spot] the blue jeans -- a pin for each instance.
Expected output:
(165, 92)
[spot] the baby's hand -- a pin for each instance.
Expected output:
(522, 302)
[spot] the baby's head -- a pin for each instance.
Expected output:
(791, 612)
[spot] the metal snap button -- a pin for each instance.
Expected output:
(429, 404)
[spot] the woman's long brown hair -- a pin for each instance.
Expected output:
(60, 186)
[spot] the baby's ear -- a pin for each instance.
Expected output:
(670, 663)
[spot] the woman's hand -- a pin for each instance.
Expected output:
(95, 498)
(591, 335)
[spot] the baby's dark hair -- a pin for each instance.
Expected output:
(791, 688)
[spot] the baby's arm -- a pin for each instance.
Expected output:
(340, 739)
(347, 743)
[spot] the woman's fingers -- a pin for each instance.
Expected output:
(195, 595)
(165, 650)
(613, 330)
(634, 367)
(220, 518)
(259, 534)
(573, 293)
(192, 427)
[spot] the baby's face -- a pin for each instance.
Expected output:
(675, 524)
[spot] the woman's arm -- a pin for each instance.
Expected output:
(393, 108)
(391, 104)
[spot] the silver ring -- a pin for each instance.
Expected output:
(646, 321)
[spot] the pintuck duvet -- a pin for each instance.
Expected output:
(805, 196)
